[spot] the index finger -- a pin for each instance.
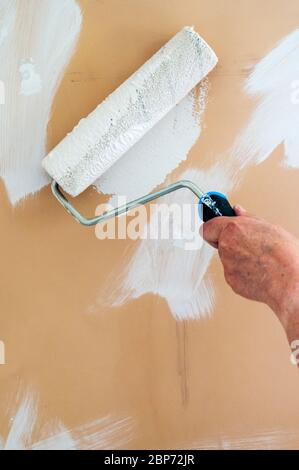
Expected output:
(212, 229)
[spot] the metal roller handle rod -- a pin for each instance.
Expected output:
(131, 205)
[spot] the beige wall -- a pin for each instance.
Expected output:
(227, 376)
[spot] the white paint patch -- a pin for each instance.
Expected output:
(47, 32)
(275, 82)
(174, 271)
(31, 82)
(161, 150)
(104, 433)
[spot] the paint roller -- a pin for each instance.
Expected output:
(124, 117)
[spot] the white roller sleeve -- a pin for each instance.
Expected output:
(129, 112)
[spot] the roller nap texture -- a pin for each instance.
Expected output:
(106, 134)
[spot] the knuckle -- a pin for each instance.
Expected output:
(232, 226)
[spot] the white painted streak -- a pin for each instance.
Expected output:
(273, 439)
(56, 438)
(104, 433)
(275, 83)
(7, 18)
(101, 434)
(37, 39)
(22, 424)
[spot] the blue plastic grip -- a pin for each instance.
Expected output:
(222, 204)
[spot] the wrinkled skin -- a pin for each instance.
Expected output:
(261, 262)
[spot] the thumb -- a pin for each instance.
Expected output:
(212, 229)
(239, 210)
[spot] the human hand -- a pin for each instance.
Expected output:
(260, 260)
